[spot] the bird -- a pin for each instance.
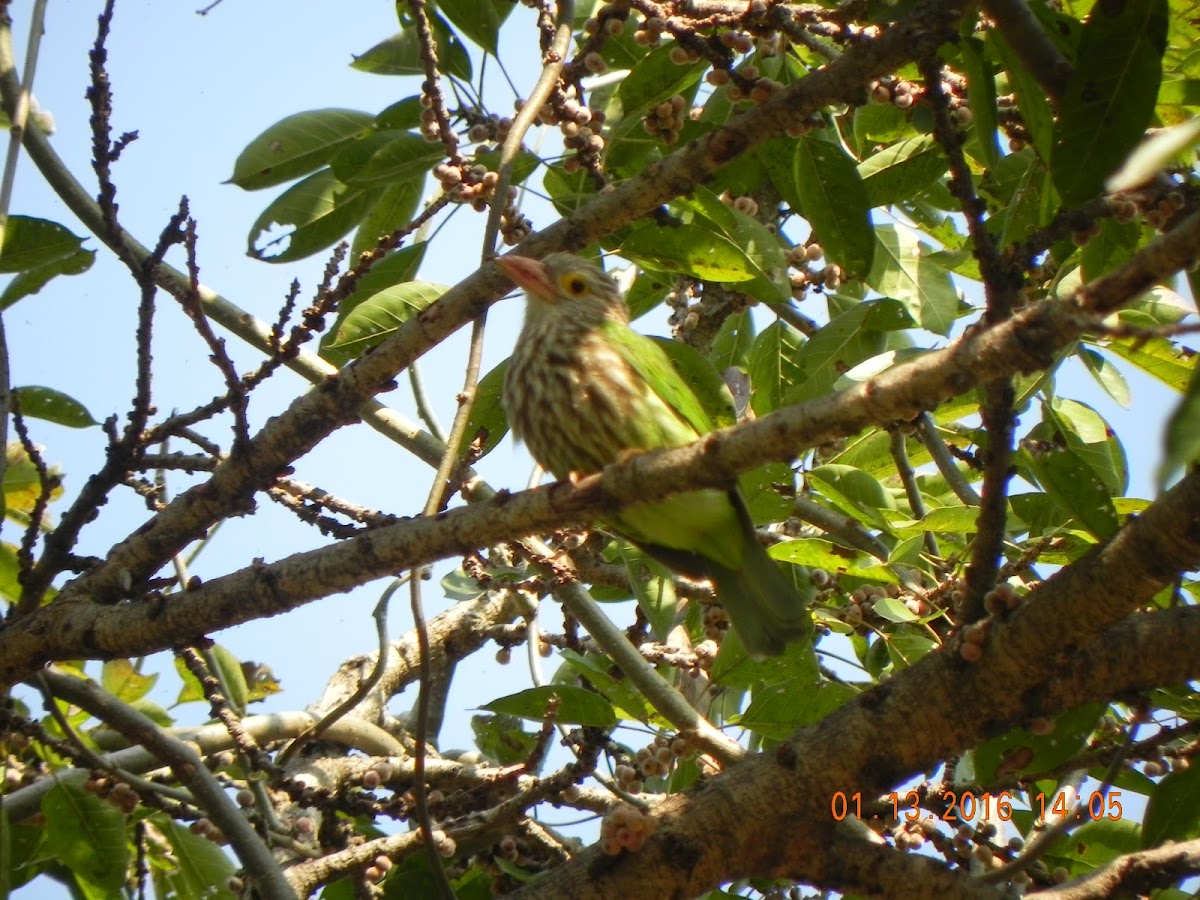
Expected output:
(584, 390)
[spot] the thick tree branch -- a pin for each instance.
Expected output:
(890, 732)
(1029, 40)
(74, 627)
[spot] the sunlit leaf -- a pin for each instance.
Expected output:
(31, 243)
(834, 199)
(570, 705)
(309, 216)
(297, 145)
(372, 320)
(53, 406)
(87, 835)
(903, 271)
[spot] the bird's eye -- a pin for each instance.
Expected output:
(573, 285)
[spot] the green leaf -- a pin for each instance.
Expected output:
(567, 190)
(768, 491)
(123, 681)
(597, 670)
(575, 705)
(201, 868)
(524, 163)
(31, 243)
(396, 268)
(763, 253)
(656, 79)
(1088, 435)
(1031, 97)
(386, 156)
(901, 171)
(837, 560)
(1107, 375)
(22, 482)
(1094, 844)
(655, 594)
(1020, 187)
(1071, 483)
(906, 646)
(779, 709)
(33, 280)
(403, 115)
(648, 291)
(694, 250)
(452, 54)
(839, 346)
(733, 668)
(893, 610)
(394, 209)
(377, 317)
(502, 739)
(307, 217)
(773, 367)
(902, 270)
(1158, 358)
(981, 97)
(87, 835)
(853, 491)
(1111, 96)
(296, 145)
(488, 417)
(479, 20)
(53, 406)
(944, 520)
(735, 338)
(1112, 246)
(401, 55)
(880, 123)
(22, 853)
(10, 584)
(835, 202)
(233, 676)
(995, 759)
(1173, 813)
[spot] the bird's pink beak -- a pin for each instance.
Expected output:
(531, 275)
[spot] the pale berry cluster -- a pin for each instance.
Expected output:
(119, 794)
(667, 119)
(625, 827)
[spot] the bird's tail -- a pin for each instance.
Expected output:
(768, 607)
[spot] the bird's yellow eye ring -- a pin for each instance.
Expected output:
(573, 284)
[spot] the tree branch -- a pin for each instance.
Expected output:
(75, 627)
(705, 837)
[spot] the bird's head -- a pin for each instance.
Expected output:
(567, 284)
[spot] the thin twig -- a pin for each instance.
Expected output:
(927, 432)
(1001, 283)
(1024, 33)
(665, 698)
(908, 478)
(424, 410)
(236, 392)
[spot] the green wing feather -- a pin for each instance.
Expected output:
(649, 361)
